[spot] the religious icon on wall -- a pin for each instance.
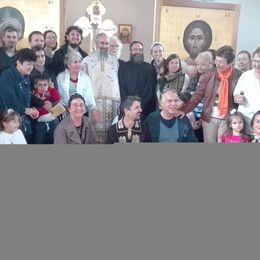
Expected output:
(197, 37)
(125, 33)
(10, 16)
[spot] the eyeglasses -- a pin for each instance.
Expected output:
(51, 38)
(256, 61)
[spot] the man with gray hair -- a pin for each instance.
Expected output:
(102, 69)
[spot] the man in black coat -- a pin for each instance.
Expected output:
(137, 77)
(73, 38)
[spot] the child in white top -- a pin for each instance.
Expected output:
(9, 132)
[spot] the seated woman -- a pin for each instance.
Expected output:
(40, 67)
(74, 80)
(75, 128)
(174, 78)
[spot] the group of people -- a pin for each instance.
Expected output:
(105, 100)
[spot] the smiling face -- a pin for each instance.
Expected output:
(256, 63)
(75, 66)
(40, 61)
(221, 64)
(169, 103)
(25, 68)
(74, 38)
(157, 53)
(51, 40)
(77, 108)
(174, 65)
(37, 40)
(243, 61)
(134, 112)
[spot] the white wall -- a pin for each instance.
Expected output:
(248, 31)
(140, 13)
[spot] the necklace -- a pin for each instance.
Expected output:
(74, 80)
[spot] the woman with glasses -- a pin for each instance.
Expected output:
(216, 87)
(75, 128)
(50, 43)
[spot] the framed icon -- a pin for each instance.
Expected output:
(125, 33)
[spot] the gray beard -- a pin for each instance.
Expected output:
(102, 53)
(137, 58)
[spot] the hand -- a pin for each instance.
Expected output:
(239, 99)
(179, 113)
(198, 124)
(96, 116)
(47, 105)
(51, 84)
(32, 112)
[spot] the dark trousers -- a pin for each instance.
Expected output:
(199, 133)
(44, 132)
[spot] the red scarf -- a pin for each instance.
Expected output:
(223, 91)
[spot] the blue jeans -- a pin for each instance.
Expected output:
(44, 132)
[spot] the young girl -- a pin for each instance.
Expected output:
(255, 123)
(9, 132)
(236, 131)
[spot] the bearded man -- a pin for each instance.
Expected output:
(137, 77)
(8, 51)
(73, 38)
(102, 69)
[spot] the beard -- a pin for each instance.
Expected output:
(115, 54)
(102, 53)
(137, 58)
(74, 45)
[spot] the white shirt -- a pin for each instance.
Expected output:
(84, 88)
(250, 85)
(15, 138)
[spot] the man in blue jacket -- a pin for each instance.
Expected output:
(163, 124)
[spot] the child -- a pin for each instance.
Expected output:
(255, 123)
(9, 124)
(236, 130)
(46, 122)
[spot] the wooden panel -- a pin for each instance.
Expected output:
(38, 15)
(174, 20)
